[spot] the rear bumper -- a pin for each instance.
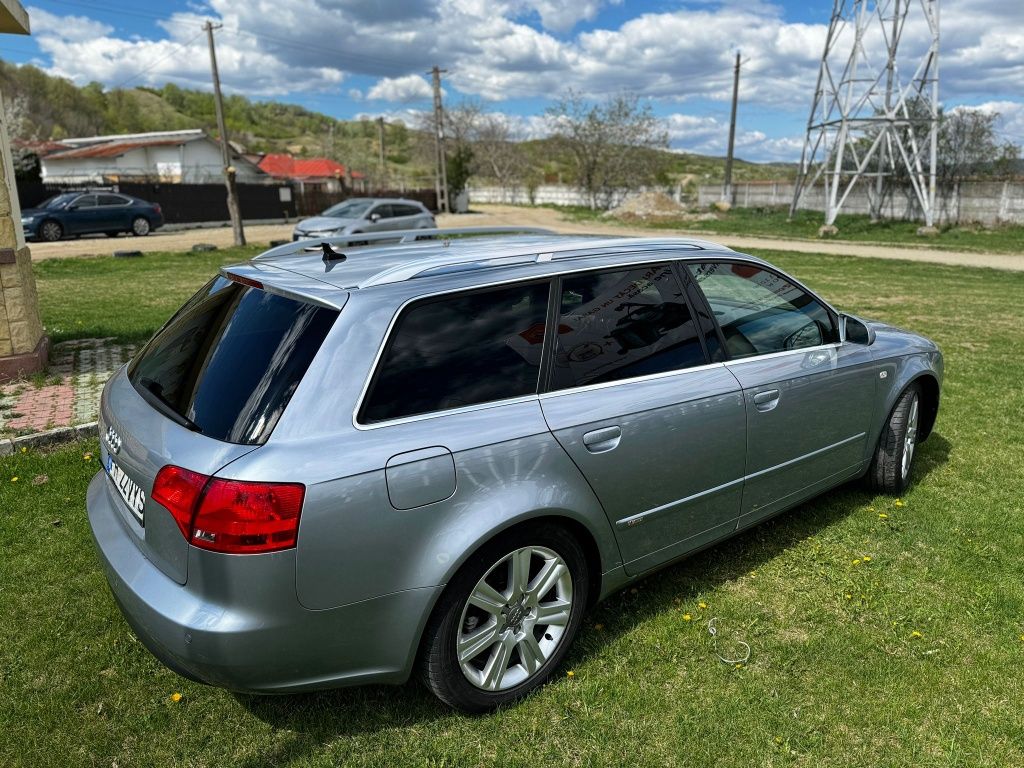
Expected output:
(237, 622)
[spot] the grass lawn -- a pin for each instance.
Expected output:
(774, 222)
(882, 632)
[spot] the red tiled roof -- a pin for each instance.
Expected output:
(288, 167)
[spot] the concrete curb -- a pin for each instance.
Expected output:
(48, 438)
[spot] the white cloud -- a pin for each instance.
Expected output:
(408, 88)
(497, 50)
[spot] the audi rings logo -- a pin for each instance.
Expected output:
(113, 440)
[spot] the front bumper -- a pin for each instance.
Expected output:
(237, 622)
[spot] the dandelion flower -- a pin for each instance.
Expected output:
(23, 450)
(702, 605)
(778, 740)
(898, 503)
(87, 456)
(739, 665)
(848, 596)
(175, 697)
(867, 558)
(915, 634)
(687, 617)
(570, 673)
(882, 516)
(857, 561)
(14, 479)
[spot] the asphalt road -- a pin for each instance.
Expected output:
(93, 245)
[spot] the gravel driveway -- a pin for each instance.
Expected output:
(537, 217)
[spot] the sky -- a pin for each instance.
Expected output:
(353, 58)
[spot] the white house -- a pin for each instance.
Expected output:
(182, 157)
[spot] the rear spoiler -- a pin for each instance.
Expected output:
(398, 237)
(282, 282)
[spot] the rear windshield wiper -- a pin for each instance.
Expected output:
(152, 391)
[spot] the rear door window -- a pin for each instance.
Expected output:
(227, 363)
(460, 350)
(761, 312)
(621, 324)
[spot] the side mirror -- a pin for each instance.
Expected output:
(856, 331)
(374, 217)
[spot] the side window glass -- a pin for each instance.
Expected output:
(384, 211)
(761, 312)
(112, 200)
(621, 324)
(460, 350)
(85, 201)
(407, 210)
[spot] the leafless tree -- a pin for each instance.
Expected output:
(496, 154)
(610, 144)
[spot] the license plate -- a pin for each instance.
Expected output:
(130, 491)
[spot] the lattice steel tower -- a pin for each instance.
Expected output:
(874, 119)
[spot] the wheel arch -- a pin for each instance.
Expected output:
(563, 518)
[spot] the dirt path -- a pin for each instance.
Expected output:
(183, 240)
(546, 217)
(537, 217)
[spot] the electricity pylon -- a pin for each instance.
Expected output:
(874, 119)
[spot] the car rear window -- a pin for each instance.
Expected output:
(227, 363)
(460, 350)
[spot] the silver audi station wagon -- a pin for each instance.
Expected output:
(339, 465)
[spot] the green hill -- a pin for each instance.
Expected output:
(42, 107)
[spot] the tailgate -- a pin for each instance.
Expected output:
(136, 441)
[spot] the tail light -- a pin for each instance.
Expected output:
(158, 209)
(230, 516)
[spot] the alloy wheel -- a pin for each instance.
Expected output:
(515, 618)
(910, 438)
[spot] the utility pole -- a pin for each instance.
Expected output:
(225, 147)
(441, 176)
(380, 152)
(727, 183)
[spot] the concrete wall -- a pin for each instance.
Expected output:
(997, 202)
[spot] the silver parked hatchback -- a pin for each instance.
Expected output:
(336, 465)
(366, 214)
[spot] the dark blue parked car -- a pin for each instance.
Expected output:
(82, 213)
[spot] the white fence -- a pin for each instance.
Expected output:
(984, 202)
(551, 194)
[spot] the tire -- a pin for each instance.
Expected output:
(51, 231)
(140, 226)
(891, 466)
(508, 652)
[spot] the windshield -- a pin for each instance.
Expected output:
(58, 201)
(350, 209)
(227, 363)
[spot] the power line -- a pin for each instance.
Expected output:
(177, 47)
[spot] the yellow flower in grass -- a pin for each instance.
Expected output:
(882, 516)
(87, 456)
(898, 503)
(867, 558)
(570, 673)
(848, 596)
(687, 617)
(702, 605)
(14, 479)
(175, 697)
(915, 635)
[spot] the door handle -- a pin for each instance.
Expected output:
(767, 400)
(602, 440)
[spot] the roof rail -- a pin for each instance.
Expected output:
(397, 237)
(515, 255)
